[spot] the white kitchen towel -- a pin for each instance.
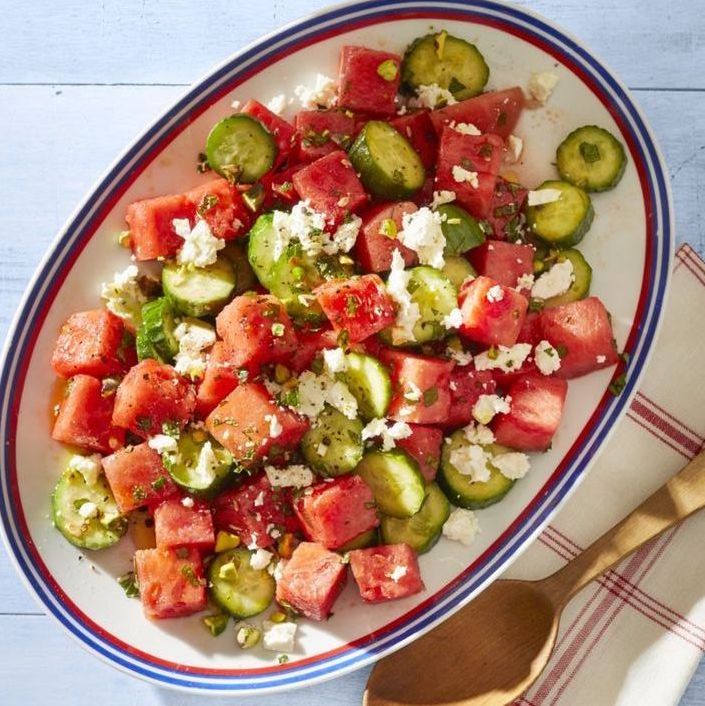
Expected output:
(635, 637)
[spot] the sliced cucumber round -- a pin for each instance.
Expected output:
(462, 491)
(457, 269)
(562, 223)
(333, 445)
(422, 530)
(366, 539)
(202, 291)
(582, 278)
(261, 249)
(157, 328)
(245, 278)
(388, 165)
(369, 382)
(447, 61)
(86, 513)
(396, 481)
(240, 149)
(591, 158)
(462, 232)
(236, 587)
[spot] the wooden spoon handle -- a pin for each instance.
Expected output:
(680, 497)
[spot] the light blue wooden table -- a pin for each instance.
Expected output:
(79, 79)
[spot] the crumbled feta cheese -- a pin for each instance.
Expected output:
(275, 427)
(200, 247)
(600, 359)
(397, 573)
(441, 197)
(123, 296)
(88, 466)
(555, 282)
(294, 476)
(408, 312)
(162, 443)
(471, 460)
(413, 394)
(260, 559)
(278, 637)
(335, 360)
(542, 84)
(526, 281)
(460, 357)
(512, 465)
(277, 104)
(495, 294)
(324, 93)
(322, 449)
(421, 231)
(194, 337)
(344, 237)
(515, 146)
(88, 510)
(187, 502)
(487, 406)
(235, 105)
(314, 391)
(389, 435)
(462, 175)
(503, 358)
(478, 434)
(430, 96)
(207, 465)
(340, 397)
(461, 526)
(454, 319)
(543, 196)
(466, 128)
(546, 358)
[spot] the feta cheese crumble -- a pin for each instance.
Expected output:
(462, 175)
(187, 502)
(277, 104)
(478, 434)
(194, 337)
(324, 93)
(421, 231)
(487, 406)
(495, 294)
(555, 282)
(314, 391)
(413, 394)
(460, 357)
(278, 637)
(472, 461)
(513, 465)
(454, 319)
(600, 359)
(388, 434)
(200, 247)
(461, 526)
(408, 312)
(430, 96)
(207, 465)
(441, 197)
(123, 296)
(335, 361)
(88, 466)
(465, 128)
(260, 559)
(515, 146)
(275, 427)
(525, 281)
(397, 573)
(294, 476)
(88, 510)
(542, 85)
(162, 443)
(546, 358)
(503, 357)
(543, 196)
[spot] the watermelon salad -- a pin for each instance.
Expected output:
(361, 330)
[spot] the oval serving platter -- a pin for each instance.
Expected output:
(630, 247)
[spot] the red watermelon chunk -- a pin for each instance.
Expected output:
(582, 333)
(220, 204)
(179, 525)
(374, 249)
(312, 580)
(137, 477)
(220, 379)
(492, 313)
(321, 132)
(412, 373)
(171, 582)
(280, 189)
(360, 306)
(85, 417)
(505, 214)
(331, 186)
(466, 386)
(503, 262)
(92, 343)
(479, 154)
(536, 409)
(335, 512)
(496, 112)
(150, 221)
(418, 129)
(369, 80)
(282, 131)
(255, 512)
(310, 343)
(424, 445)
(150, 395)
(242, 423)
(531, 329)
(257, 330)
(386, 573)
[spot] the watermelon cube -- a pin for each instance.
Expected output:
(378, 240)
(331, 186)
(85, 417)
(282, 131)
(418, 375)
(257, 330)
(220, 204)
(386, 573)
(150, 395)
(418, 129)
(503, 262)
(335, 512)
(92, 343)
(245, 423)
(137, 477)
(219, 380)
(582, 333)
(310, 344)
(505, 215)
(184, 525)
(424, 445)
(535, 413)
(369, 80)
(492, 313)
(466, 386)
(312, 580)
(171, 581)
(359, 306)
(321, 132)
(531, 329)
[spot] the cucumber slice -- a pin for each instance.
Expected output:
(422, 530)
(333, 445)
(245, 278)
(448, 61)
(102, 527)
(369, 382)
(203, 479)
(582, 278)
(157, 328)
(260, 250)
(388, 165)
(396, 481)
(463, 492)
(457, 270)
(202, 291)
(240, 148)
(238, 588)
(462, 232)
(366, 539)
(562, 223)
(591, 158)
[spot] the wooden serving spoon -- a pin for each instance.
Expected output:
(493, 649)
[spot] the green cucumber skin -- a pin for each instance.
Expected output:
(158, 328)
(219, 278)
(457, 269)
(343, 438)
(369, 382)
